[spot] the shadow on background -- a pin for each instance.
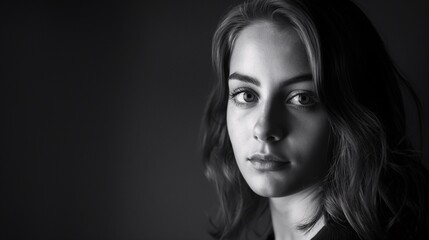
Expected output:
(101, 113)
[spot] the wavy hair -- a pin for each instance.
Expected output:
(376, 182)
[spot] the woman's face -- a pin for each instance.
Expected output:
(278, 129)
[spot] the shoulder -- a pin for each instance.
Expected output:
(330, 232)
(336, 231)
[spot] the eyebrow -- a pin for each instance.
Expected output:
(244, 78)
(254, 81)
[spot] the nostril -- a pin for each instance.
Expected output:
(267, 138)
(271, 138)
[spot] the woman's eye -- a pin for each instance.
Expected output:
(244, 97)
(247, 96)
(302, 100)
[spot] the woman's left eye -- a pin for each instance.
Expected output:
(302, 99)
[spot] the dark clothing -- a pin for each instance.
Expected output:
(331, 232)
(334, 232)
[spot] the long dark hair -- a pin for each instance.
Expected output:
(376, 182)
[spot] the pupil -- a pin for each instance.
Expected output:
(303, 99)
(248, 97)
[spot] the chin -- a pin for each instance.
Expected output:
(269, 193)
(274, 185)
(269, 188)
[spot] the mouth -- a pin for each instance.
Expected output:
(267, 162)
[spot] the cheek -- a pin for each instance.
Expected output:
(232, 126)
(311, 141)
(238, 130)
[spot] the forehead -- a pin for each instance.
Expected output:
(268, 51)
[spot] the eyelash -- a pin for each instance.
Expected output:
(309, 94)
(233, 95)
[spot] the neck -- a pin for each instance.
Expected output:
(289, 212)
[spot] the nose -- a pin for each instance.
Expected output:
(269, 126)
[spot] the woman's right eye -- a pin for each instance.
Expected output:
(244, 97)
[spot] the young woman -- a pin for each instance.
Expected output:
(306, 121)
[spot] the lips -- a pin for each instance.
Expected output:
(267, 162)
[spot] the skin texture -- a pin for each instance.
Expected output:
(279, 119)
(273, 111)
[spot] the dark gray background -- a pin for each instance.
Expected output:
(101, 108)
